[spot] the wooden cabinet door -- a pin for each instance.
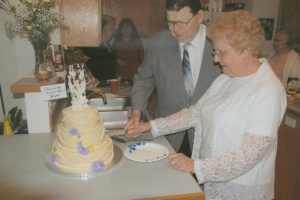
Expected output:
(157, 16)
(83, 18)
(115, 8)
(287, 172)
(148, 15)
(138, 11)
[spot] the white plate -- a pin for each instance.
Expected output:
(146, 152)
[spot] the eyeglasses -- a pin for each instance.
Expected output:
(179, 24)
(220, 54)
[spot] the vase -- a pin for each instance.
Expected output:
(43, 76)
(43, 64)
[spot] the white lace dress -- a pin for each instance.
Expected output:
(236, 123)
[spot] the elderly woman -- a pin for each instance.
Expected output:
(284, 60)
(237, 119)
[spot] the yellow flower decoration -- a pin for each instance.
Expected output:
(86, 143)
(92, 148)
(40, 14)
(29, 27)
(76, 139)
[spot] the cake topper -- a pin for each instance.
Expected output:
(77, 86)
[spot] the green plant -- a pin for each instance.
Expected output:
(34, 20)
(16, 116)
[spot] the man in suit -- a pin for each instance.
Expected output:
(162, 68)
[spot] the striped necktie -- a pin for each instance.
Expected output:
(187, 73)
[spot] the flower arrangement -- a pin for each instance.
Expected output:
(34, 20)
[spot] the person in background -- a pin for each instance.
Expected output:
(58, 61)
(128, 48)
(162, 68)
(102, 61)
(236, 120)
(75, 56)
(284, 60)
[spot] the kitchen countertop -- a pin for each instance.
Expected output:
(23, 175)
(31, 84)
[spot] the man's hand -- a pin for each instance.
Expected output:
(138, 130)
(134, 119)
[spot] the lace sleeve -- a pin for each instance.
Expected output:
(182, 120)
(233, 164)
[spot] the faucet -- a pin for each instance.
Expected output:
(99, 93)
(103, 97)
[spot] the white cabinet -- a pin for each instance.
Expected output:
(41, 115)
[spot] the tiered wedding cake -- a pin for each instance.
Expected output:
(81, 145)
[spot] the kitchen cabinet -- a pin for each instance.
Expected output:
(83, 21)
(287, 173)
(148, 15)
(83, 18)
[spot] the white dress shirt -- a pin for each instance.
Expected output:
(196, 50)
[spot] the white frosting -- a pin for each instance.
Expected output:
(77, 87)
(81, 127)
(81, 145)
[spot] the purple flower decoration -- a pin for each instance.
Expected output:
(97, 166)
(81, 149)
(74, 132)
(52, 160)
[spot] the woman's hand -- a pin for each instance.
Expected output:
(138, 130)
(182, 162)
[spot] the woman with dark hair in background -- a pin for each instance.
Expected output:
(128, 48)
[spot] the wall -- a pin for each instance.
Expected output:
(16, 57)
(266, 9)
(16, 61)
(261, 9)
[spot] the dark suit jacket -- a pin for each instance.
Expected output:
(162, 69)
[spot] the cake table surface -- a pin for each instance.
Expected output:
(23, 175)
